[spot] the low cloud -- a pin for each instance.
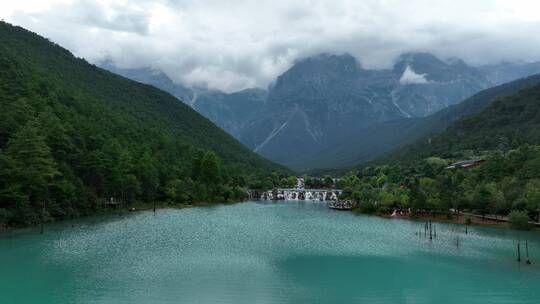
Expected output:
(411, 77)
(231, 45)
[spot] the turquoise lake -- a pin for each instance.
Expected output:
(264, 252)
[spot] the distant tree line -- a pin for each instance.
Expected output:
(505, 182)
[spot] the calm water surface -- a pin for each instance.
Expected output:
(258, 252)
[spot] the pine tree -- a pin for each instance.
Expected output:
(11, 194)
(146, 170)
(34, 165)
(210, 168)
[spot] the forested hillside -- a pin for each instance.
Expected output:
(506, 124)
(73, 135)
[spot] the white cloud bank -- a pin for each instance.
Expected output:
(236, 44)
(410, 77)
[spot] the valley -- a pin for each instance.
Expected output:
(269, 152)
(328, 112)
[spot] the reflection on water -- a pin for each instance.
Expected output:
(264, 252)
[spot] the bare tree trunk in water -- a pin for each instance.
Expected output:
(518, 252)
(42, 219)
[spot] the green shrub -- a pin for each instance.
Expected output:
(367, 207)
(5, 215)
(519, 220)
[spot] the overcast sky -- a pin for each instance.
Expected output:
(234, 44)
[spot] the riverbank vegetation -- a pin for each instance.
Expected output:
(506, 182)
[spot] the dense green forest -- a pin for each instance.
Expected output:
(73, 136)
(504, 182)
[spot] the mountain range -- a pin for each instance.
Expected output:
(328, 111)
(392, 139)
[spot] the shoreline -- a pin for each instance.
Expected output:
(120, 211)
(141, 207)
(456, 219)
